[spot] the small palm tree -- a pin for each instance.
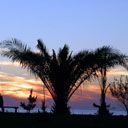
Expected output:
(61, 73)
(106, 58)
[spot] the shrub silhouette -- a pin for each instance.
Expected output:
(31, 102)
(119, 90)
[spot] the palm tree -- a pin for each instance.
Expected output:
(106, 58)
(61, 73)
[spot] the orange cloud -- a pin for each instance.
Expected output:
(9, 63)
(18, 86)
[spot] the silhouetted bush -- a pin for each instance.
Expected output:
(31, 102)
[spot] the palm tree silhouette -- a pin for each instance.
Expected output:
(61, 73)
(106, 58)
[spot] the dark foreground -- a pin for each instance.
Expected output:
(39, 120)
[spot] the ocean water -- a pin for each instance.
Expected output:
(73, 111)
(94, 112)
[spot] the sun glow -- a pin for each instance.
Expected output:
(18, 86)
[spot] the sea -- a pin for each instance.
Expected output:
(94, 112)
(73, 111)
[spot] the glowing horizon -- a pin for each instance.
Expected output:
(18, 86)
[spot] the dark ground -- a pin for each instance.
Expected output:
(39, 120)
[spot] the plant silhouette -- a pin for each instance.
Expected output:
(31, 102)
(43, 106)
(43, 102)
(1, 103)
(106, 58)
(119, 90)
(62, 73)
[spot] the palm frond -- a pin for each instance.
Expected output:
(63, 54)
(42, 48)
(14, 44)
(19, 52)
(109, 57)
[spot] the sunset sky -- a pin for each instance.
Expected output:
(82, 24)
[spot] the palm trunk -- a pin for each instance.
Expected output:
(60, 107)
(103, 107)
(103, 97)
(103, 93)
